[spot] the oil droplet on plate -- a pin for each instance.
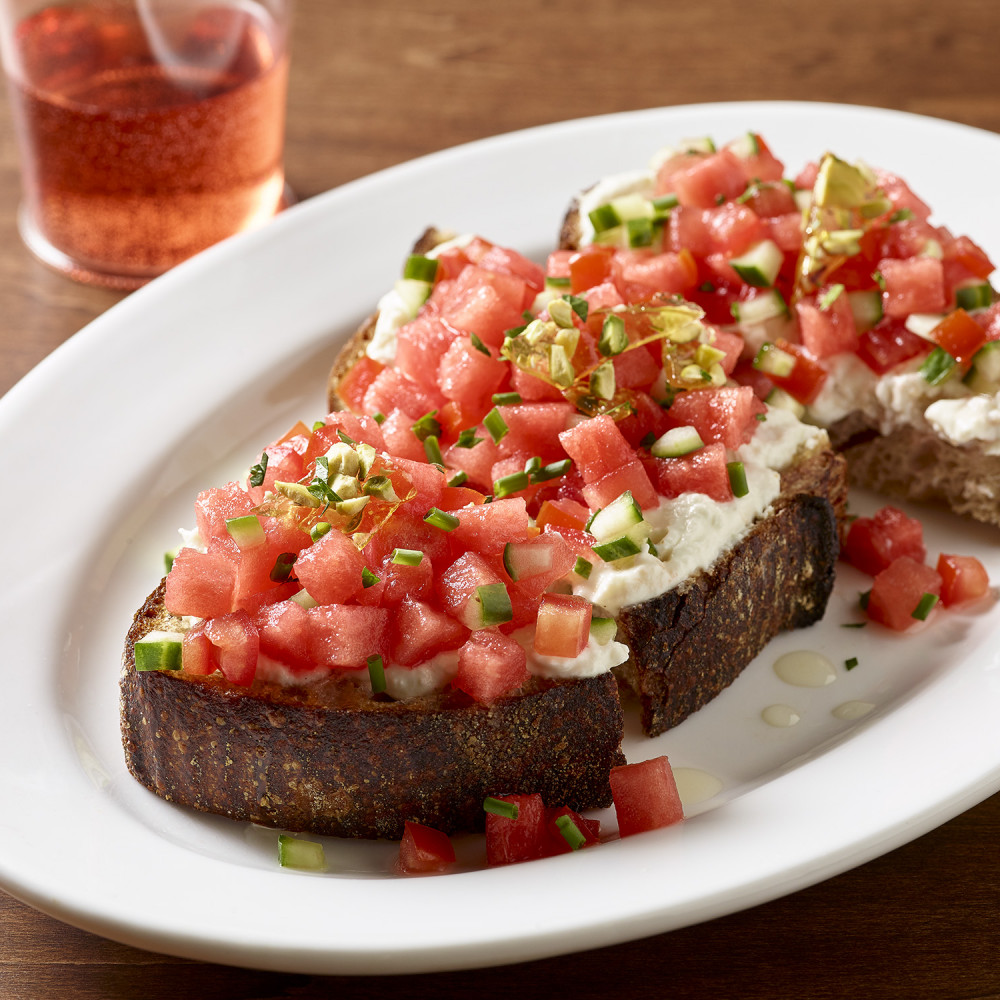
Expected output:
(780, 716)
(852, 710)
(805, 668)
(694, 785)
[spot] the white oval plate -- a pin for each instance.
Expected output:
(106, 443)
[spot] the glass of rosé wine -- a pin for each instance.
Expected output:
(147, 129)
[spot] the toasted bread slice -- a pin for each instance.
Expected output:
(895, 452)
(693, 641)
(330, 758)
(690, 643)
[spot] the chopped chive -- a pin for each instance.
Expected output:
(923, 609)
(379, 417)
(441, 519)
(496, 425)
(318, 530)
(467, 438)
(647, 440)
(556, 282)
(603, 218)
(407, 557)
(257, 471)
(420, 268)
(368, 578)
(282, 568)
(851, 663)
(458, 479)
(515, 331)
(513, 483)
(706, 286)
(551, 471)
(346, 438)
(427, 426)
(432, 449)
(533, 464)
(479, 345)
(583, 567)
(830, 296)
(499, 807)
(938, 366)
(376, 673)
(506, 398)
(570, 832)
(613, 339)
(318, 424)
(640, 232)
(854, 625)
(863, 599)
(738, 478)
(665, 203)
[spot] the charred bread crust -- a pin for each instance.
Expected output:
(331, 759)
(690, 643)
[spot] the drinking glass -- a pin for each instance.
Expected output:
(147, 129)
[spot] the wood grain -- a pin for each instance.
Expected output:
(374, 84)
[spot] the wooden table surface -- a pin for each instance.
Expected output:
(377, 83)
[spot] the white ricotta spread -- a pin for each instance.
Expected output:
(692, 531)
(393, 312)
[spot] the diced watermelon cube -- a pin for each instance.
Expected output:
(913, 286)
(873, 543)
(394, 390)
(201, 584)
(556, 842)
(400, 440)
(476, 462)
(727, 415)
(645, 796)
(400, 580)
(354, 384)
(521, 839)
(488, 527)
(533, 429)
(702, 471)
(236, 641)
(345, 635)
(640, 274)
(563, 627)
(897, 591)
(284, 631)
(421, 343)
(467, 375)
(629, 476)
(457, 586)
(827, 331)
(483, 302)
(490, 665)
(597, 447)
(963, 579)
(710, 180)
(215, 506)
(330, 569)
(198, 655)
(531, 388)
(419, 632)
(424, 849)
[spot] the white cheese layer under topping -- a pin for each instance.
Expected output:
(692, 531)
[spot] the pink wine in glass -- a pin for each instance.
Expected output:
(148, 131)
